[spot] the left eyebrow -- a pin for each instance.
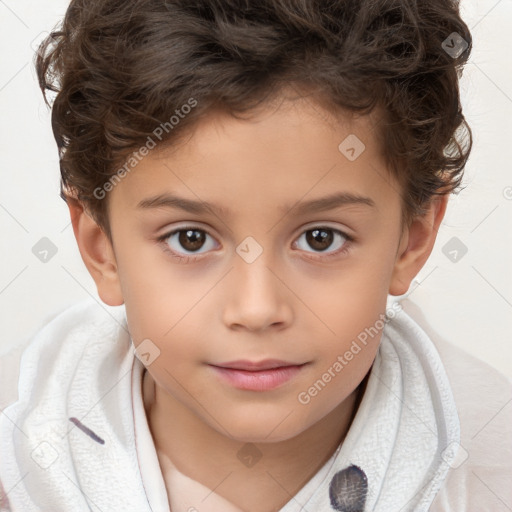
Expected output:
(201, 207)
(326, 203)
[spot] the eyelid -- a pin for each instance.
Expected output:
(186, 227)
(324, 256)
(303, 229)
(345, 231)
(162, 241)
(307, 227)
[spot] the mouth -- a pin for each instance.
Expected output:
(257, 375)
(254, 366)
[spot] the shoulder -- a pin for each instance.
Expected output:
(81, 322)
(481, 475)
(67, 333)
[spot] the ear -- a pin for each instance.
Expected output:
(97, 253)
(416, 245)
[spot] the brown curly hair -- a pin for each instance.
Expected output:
(123, 68)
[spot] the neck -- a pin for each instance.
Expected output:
(208, 456)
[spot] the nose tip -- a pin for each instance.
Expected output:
(257, 300)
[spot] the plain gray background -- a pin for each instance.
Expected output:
(468, 301)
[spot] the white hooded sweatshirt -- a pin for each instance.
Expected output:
(432, 431)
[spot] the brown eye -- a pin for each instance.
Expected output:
(187, 241)
(191, 239)
(321, 239)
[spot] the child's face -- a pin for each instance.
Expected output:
(292, 302)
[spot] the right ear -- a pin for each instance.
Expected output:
(97, 253)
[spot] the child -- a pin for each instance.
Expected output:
(253, 186)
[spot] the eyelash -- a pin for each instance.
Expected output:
(190, 257)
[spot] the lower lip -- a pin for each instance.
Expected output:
(263, 380)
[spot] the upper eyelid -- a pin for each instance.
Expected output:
(349, 240)
(303, 230)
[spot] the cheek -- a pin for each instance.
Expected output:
(347, 301)
(157, 293)
(335, 380)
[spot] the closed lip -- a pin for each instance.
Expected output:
(255, 366)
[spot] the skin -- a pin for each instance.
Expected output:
(292, 302)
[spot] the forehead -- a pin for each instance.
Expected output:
(287, 152)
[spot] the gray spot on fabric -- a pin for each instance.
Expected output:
(348, 490)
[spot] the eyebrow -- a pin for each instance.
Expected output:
(201, 207)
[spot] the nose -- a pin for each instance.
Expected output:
(257, 297)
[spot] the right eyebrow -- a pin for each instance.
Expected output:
(180, 203)
(330, 202)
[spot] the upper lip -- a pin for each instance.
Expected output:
(267, 364)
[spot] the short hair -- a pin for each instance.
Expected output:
(121, 68)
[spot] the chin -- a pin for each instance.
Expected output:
(263, 429)
(261, 436)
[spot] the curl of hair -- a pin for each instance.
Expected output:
(120, 68)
